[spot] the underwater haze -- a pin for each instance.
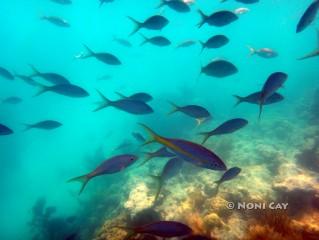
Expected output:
(193, 139)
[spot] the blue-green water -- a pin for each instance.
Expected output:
(38, 163)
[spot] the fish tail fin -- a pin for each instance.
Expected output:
(153, 136)
(82, 179)
(199, 121)
(136, 27)
(203, 46)
(120, 95)
(148, 157)
(204, 17)
(252, 51)
(158, 187)
(105, 103)
(239, 100)
(35, 71)
(42, 89)
(175, 108)
(206, 135)
(90, 53)
(145, 39)
(260, 110)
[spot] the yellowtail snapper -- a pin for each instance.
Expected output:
(171, 169)
(217, 19)
(227, 127)
(227, 176)
(199, 113)
(274, 82)
(56, 21)
(106, 58)
(69, 90)
(189, 151)
(254, 98)
(216, 41)
(53, 78)
(127, 105)
(157, 40)
(109, 166)
(156, 22)
(44, 125)
(160, 153)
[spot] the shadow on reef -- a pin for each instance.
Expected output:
(46, 226)
(309, 158)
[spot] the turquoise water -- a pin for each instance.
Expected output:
(38, 163)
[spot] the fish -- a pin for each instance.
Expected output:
(157, 40)
(4, 130)
(44, 125)
(12, 100)
(185, 44)
(160, 153)
(241, 10)
(143, 97)
(176, 5)
(315, 52)
(219, 68)
(263, 52)
(109, 166)
(199, 113)
(227, 176)
(56, 21)
(215, 41)
(254, 99)
(308, 16)
(188, 151)
(273, 83)
(106, 58)
(69, 90)
(217, 19)
(6, 74)
(164, 229)
(138, 137)
(122, 42)
(127, 105)
(227, 127)
(105, 1)
(171, 169)
(156, 22)
(63, 2)
(27, 79)
(53, 78)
